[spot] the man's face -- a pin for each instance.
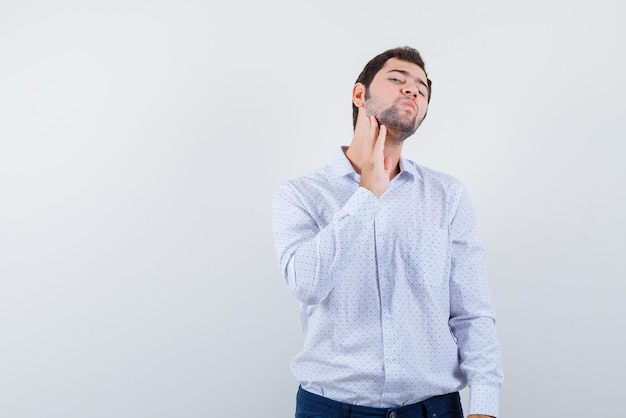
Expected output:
(398, 97)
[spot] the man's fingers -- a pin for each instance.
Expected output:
(376, 167)
(387, 164)
(380, 141)
(373, 129)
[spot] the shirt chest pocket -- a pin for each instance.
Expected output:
(423, 254)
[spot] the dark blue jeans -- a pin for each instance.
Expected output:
(309, 405)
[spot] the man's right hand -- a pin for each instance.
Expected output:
(375, 167)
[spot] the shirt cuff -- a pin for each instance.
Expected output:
(484, 399)
(362, 203)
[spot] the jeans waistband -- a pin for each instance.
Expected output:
(340, 409)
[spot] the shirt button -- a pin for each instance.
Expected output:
(393, 414)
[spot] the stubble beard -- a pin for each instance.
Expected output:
(399, 127)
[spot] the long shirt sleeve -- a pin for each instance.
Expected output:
(471, 316)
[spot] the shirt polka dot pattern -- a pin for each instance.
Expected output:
(395, 303)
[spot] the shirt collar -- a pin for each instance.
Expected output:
(340, 165)
(407, 166)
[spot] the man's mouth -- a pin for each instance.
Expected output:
(409, 103)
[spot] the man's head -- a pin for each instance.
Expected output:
(400, 81)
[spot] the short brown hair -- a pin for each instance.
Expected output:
(405, 53)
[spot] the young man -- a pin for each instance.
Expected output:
(386, 259)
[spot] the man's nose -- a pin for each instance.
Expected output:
(410, 91)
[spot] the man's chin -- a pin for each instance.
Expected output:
(406, 125)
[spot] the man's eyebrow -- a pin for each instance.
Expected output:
(408, 74)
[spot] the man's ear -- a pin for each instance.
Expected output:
(358, 95)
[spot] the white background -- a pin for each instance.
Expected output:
(141, 141)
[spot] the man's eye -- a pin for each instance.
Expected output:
(395, 80)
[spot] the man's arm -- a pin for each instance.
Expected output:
(310, 258)
(472, 319)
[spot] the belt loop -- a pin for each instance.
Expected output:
(345, 410)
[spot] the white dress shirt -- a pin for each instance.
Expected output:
(395, 302)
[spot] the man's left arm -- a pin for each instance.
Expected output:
(472, 319)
